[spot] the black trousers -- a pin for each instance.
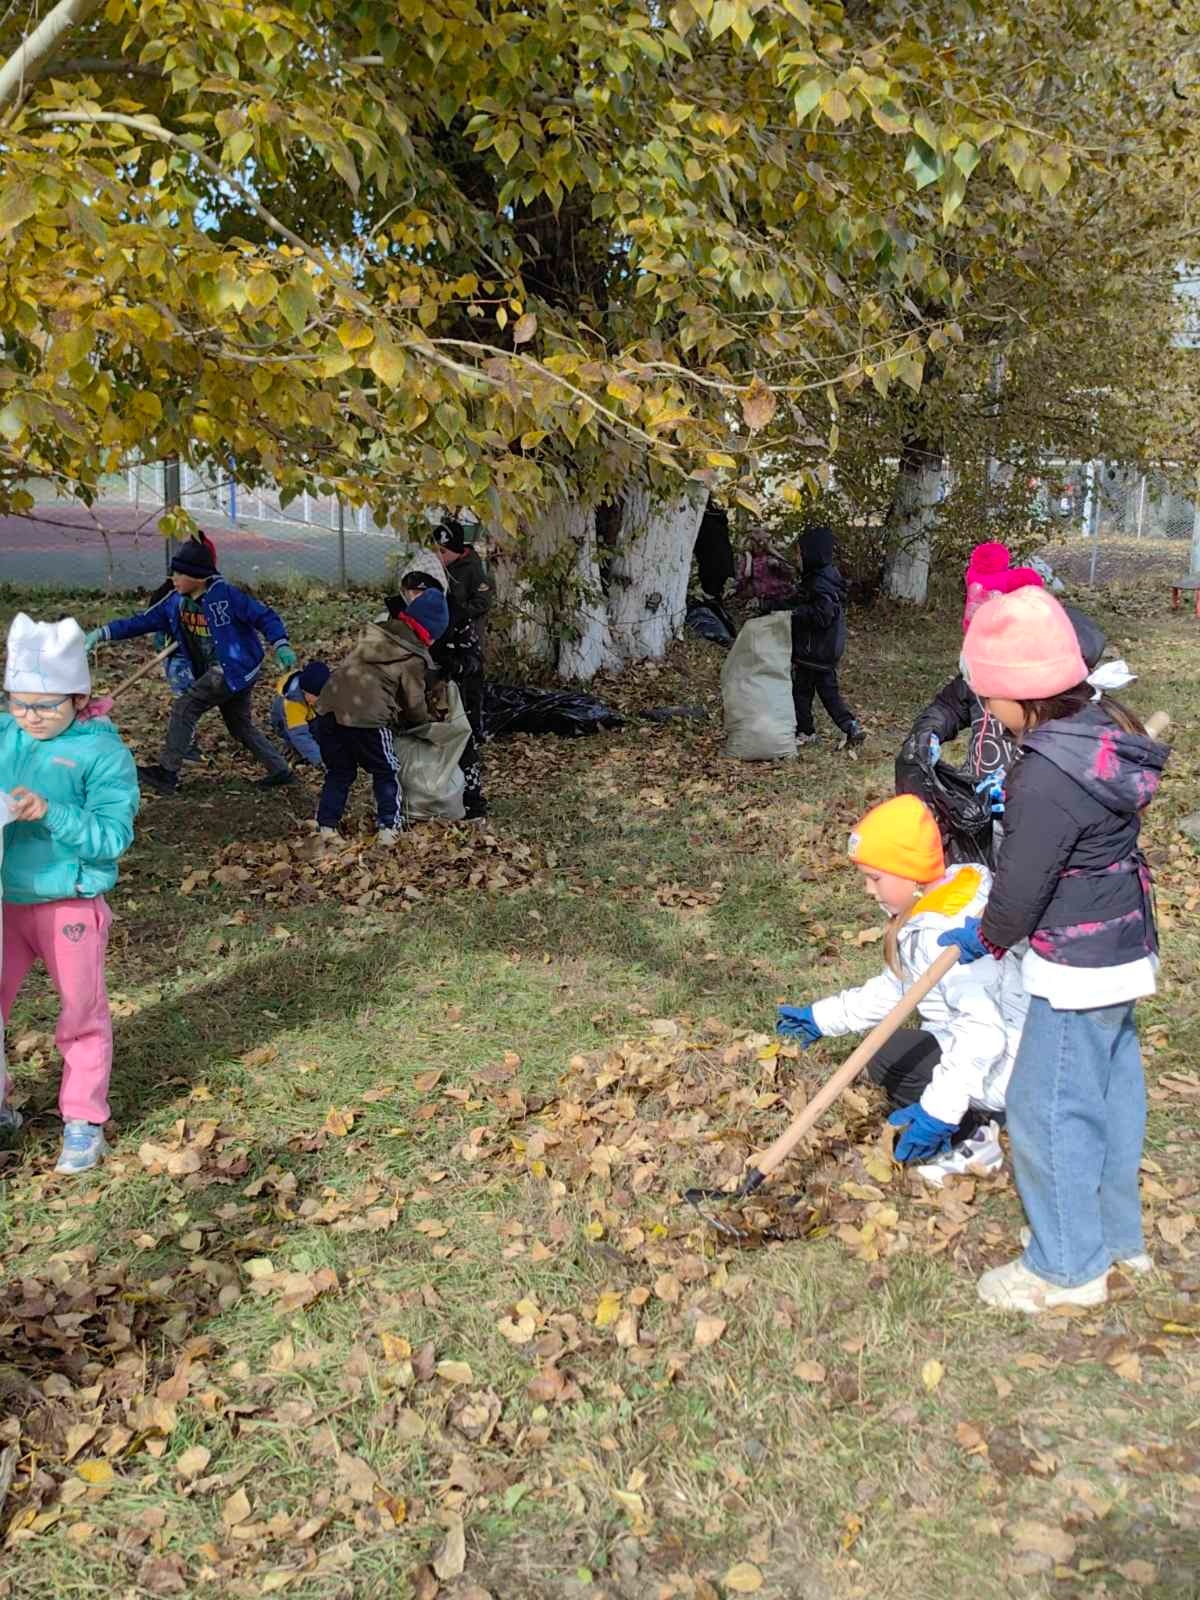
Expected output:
(903, 1068)
(470, 687)
(348, 751)
(822, 681)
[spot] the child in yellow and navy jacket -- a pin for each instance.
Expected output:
(294, 708)
(947, 1078)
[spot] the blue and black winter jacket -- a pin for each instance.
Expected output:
(235, 620)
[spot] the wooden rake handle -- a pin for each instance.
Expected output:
(146, 667)
(853, 1065)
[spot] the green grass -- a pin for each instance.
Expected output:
(666, 884)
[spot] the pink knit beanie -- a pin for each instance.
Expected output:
(986, 563)
(1022, 646)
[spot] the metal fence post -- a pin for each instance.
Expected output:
(1141, 512)
(171, 498)
(341, 511)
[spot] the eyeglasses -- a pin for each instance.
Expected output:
(37, 708)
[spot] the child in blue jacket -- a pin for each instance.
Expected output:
(69, 797)
(216, 626)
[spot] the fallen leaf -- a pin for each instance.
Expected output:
(608, 1309)
(80, 1434)
(95, 1472)
(236, 1509)
(452, 1557)
(809, 1371)
(745, 1578)
(455, 1372)
(1140, 1572)
(1042, 1540)
(708, 1330)
(932, 1374)
(192, 1463)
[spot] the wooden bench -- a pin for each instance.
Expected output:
(1190, 585)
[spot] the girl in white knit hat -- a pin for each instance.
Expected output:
(68, 791)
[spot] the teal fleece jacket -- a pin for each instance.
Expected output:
(90, 781)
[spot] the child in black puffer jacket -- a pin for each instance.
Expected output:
(819, 640)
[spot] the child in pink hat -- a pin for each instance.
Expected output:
(1072, 880)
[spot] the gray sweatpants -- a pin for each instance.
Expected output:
(209, 693)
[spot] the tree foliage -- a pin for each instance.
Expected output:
(1072, 326)
(470, 255)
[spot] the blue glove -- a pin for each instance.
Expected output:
(924, 1136)
(971, 947)
(286, 657)
(992, 785)
(92, 639)
(796, 1022)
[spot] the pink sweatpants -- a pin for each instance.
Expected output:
(70, 936)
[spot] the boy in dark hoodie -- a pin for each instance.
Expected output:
(819, 640)
(381, 686)
(460, 652)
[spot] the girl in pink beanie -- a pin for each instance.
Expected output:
(1072, 880)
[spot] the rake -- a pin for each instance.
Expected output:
(831, 1091)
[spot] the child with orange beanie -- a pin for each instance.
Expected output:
(1072, 880)
(948, 1078)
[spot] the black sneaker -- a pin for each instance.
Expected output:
(159, 779)
(275, 780)
(854, 736)
(195, 754)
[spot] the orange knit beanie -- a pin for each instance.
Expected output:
(900, 836)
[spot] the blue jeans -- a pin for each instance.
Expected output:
(1077, 1116)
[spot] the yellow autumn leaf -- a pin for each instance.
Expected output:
(388, 364)
(455, 1372)
(745, 1578)
(354, 335)
(932, 1374)
(95, 1472)
(608, 1309)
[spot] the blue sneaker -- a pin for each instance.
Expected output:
(83, 1148)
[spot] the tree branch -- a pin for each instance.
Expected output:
(26, 62)
(97, 66)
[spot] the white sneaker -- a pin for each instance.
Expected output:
(1139, 1265)
(1015, 1288)
(83, 1148)
(980, 1154)
(388, 836)
(328, 833)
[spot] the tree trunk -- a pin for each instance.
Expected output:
(551, 586)
(647, 595)
(919, 486)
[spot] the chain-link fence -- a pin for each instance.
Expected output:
(115, 543)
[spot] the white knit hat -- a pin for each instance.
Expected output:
(46, 657)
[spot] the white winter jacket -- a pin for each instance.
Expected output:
(976, 1013)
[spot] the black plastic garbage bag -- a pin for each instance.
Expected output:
(709, 620)
(964, 817)
(508, 708)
